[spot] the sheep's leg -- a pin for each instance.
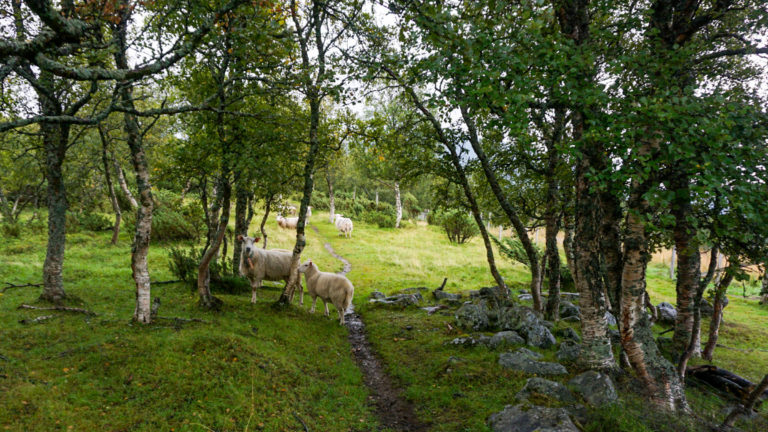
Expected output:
(341, 316)
(301, 291)
(314, 301)
(254, 285)
(326, 308)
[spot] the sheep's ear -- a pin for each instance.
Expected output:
(240, 237)
(256, 240)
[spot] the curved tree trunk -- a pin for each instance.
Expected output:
(659, 376)
(124, 185)
(552, 312)
(688, 264)
(110, 186)
(331, 196)
(207, 300)
(694, 345)
(398, 206)
(717, 312)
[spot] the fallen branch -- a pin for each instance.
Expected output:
(58, 308)
(11, 285)
(725, 381)
(306, 429)
(443, 284)
(183, 319)
(37, 320)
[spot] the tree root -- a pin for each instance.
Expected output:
(10, 285)
(59, 308)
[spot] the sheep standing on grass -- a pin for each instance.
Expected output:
(344, 225)
(259, 264)
(290, 222)
(330, 287)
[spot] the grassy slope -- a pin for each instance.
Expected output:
(104, 374)
(251, 366)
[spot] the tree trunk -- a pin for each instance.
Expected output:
(241, 208)
(659, 376)
(398, 206)
(5, 208)
(267, 206)
(552, 312)
(672, 257)
(688, 263)
(223, 199)
(55, 140)
(377, 198)
(309, 169)
(140, 247)
(570, 258)
(764, 290)
(694, 344)
(331, 196)
(717, 312)
(110, 186)
(124, 185)
(510, 212)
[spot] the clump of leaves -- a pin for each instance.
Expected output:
(184, 262)
(382, 219)
(458, 226)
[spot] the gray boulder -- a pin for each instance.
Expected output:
(489, 292)
(524, 360)
(568, 309)
(519, 418)
(706, 308)
(610, 319)
(568, 351)
(571, 296)
(378, 295)
(473, 316)
(503, 338)
(525, 297)
(667, 313)
(527, 324)
(443, 295)
(399, 300)
(595, 387)
(541, 388)
(568, 333)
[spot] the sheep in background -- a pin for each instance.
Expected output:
(261, 264)
(344, 225)
(284, 222)
(330, 287)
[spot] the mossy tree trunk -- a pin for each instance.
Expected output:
(110, 187)
(717, 310)
(241, 210)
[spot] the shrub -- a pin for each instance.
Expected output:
(10, 229)
(458, 226)
(76, 222)
(184, 263)
(172, 220)
(380, 218)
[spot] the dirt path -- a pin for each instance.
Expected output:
(393, 410)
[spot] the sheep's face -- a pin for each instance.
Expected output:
(247, 244)
(304, 267)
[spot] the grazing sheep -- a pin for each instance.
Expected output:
(330, 287)
(284, 222)
(291, 210)
(259, 264)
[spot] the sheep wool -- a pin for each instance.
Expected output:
(330, 287)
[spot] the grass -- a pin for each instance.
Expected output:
(255, 368)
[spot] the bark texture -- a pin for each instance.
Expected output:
(398, 206)
(688, 264)
(717, 312)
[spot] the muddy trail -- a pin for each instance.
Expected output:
(393, 410)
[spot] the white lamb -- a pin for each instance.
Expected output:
(285, 222)
(330, 287)
(259, 264)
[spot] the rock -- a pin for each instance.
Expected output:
(570, 296)
(568, 333)
(463, 341)
(489, 292)
(519, 418)
(568, 309)
(541, 388)
(568, 351)
(572, 319)
(442, 295)
(378, 295)
(452, 360)
(667, 313)
(473, 316)
(522, 291)
(507, 337)
(527, 324)
(595, 387)
(525, 297)
(706, 308)
(523, 361)
(400, 300)
(610, 319)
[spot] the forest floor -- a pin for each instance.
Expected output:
(252, 367)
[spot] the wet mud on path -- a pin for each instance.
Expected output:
(393, 410)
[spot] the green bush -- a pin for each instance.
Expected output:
(380, 218)
(76, 222)
(10, 229)
(458, 226)
(184, 263)
(172, 220)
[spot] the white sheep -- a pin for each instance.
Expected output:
(330, 287)
(259, 264)
(344, 225)
(284, 222)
